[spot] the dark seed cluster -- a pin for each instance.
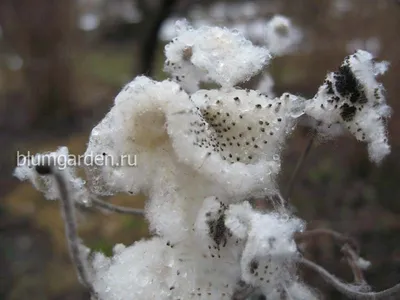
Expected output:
(262, 269)
(346, 93)
(237, 136)
(208, 292)
(217, 230)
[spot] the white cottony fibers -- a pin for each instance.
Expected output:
(237, 138)
(293, 291)
(46, 184)
(281, 36)
(156, 269)
(209, 263)
(266, 85)
(135, 126)
(213, 53)
(216, 142)
(352, 97)
(199, 154)
(269, 254)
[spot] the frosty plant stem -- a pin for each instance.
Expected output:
(71, 231)
(299, 165)
(100, 204)
(347, 289)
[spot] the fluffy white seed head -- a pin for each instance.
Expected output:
(218, 54)
(207, 264)
(353, 98)
(59, 159)
(269, 255)
(198, 154)
(214, 143)
(135, 128)
(281, 36)
(157, 269)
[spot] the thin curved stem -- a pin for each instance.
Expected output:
(299, 164)
(68, 209)
(352, 259)
(348, 289)
(341, 238)
(116, 208)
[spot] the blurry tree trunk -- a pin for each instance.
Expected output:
(153, 20)
(42, 33)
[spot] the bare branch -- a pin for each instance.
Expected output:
(68, 209)
(352, 259)
(337, 236)
(299, 164)
(96, 202)
(347, 289)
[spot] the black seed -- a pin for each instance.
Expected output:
(43, 169)
(253, 266)
(329, 87)
(348, 112)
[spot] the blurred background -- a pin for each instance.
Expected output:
(62, 63)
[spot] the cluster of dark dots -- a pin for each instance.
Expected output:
(261, 269)
(226, 137)
(347, 112)
(217, 230)
(207, 293)
(347, 94)
(177, 78)
(358, 131)
(174, 66)
(345, 85)
(220, 235)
